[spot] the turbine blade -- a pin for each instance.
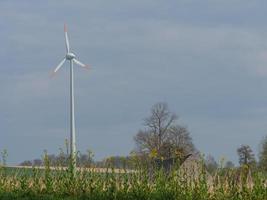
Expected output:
(80, 63)
(59, 65)
(66, 39)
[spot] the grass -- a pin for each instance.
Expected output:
(232, 184)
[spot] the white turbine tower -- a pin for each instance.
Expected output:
(71, 58)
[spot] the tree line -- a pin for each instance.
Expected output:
(161, 138)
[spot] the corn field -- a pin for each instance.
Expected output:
(59, 183)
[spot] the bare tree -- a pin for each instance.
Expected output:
(145, 141)
(180, 140)
(263, 155)
(246, 156)
(157, 125)
(159, 122)
(162, 136)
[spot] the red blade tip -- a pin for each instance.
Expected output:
(87, 66)
(65, 28)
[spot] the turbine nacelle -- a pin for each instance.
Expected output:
(70, 56)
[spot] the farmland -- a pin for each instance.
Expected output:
(168, 167)
(50, 183)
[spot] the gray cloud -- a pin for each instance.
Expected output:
(206, 59)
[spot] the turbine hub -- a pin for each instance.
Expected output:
(70, 56)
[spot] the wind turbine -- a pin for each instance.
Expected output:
(71, 57)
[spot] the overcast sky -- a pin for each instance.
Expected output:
(207, 59)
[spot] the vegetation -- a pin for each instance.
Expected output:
(164, 165)
(163, 137)
(184, 184)
(263, 155)
(246, 156)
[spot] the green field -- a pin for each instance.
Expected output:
(16, 171)
(232, 184)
